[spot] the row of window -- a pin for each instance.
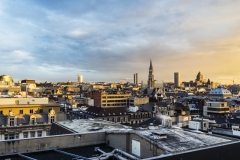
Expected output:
(115, 97)
(122, 104)
(114, 101)
(218, 109)
(33, 121)
(30, 111)
(25, 135)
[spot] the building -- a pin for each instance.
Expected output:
(104, 99)
(151, 81)
(215, 108)
(219, 92)
(177, 79)
(6, 81)
(27, 117)
(135, 101)
(80, 78)
(156, 142)
(135, 77)
(113, 114)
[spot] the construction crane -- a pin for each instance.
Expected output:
(233, 80)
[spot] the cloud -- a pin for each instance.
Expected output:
(110, 40)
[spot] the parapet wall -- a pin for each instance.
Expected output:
(45, 143)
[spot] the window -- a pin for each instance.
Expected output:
(31, 111)
(6, 137)
(25, 134)
(1, 112)
(47, 132)
(39, 133)
(49, 110)
(52, 119)
(40, 110)
(17, 136)
(11, 122)
(32, 134)
(33, 120)
(21, 112)
(11, 136)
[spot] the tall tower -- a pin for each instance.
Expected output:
(177, 79)
(80, 78)
(151, 82)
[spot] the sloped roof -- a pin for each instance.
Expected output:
(219, 91)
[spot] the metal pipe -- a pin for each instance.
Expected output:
(70, 154)
(119, 157)
(126, 154)
(26, 157)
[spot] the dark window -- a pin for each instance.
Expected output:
(52, 119)
(21, 112)
(39, 133)
(31, 111)
(1, 112)
(11, 121)
(25, 134)
(40, 110)
(32, 134)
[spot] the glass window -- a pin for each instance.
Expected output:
(21, 112)
(52, 119)
(17, 136)
(40, 110)
(32, 134)
(31, 110)
(11, 122)
(33, 120)
(39, 133)
(6, 137)
(11, 136)
(25, 134)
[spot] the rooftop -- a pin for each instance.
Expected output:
(92, 125)
(179, 140)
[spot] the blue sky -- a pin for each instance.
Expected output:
(110, 40)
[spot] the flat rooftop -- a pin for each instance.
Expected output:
(92, 125)
(176, 140)
(179, 140)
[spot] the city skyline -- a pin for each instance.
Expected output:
(111, 40)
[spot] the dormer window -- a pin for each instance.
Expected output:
(11, 121)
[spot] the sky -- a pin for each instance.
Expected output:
(109, 40)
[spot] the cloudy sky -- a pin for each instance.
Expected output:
(108, 40)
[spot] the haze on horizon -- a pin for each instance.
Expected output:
(110, 40)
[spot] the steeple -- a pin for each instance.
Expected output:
(151, 82)
(151, 67)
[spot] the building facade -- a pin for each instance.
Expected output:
(27, 117)
(104, 99)
(215, 108)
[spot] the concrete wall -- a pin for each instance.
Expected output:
(124, 142)
(44, 143)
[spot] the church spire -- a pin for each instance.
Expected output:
(151, 82)
(151, 67)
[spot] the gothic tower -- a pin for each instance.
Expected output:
(151, 82)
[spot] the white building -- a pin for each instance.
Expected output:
(80, 78)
